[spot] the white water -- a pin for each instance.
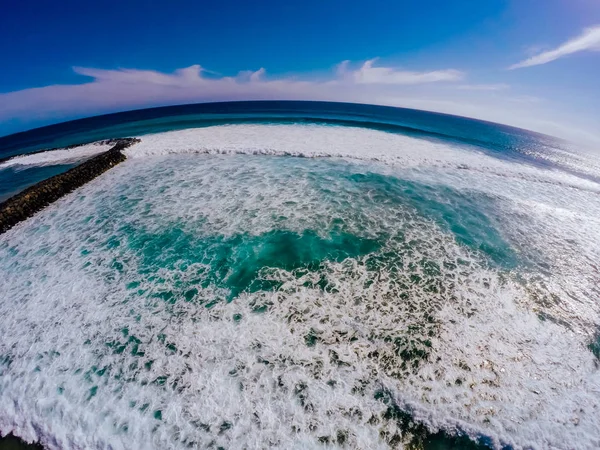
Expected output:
(552, 214)
(53, 157)
(524, 382)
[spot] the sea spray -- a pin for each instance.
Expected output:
(158, 306)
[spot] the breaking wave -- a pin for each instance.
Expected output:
(214, 291)
(54, 157)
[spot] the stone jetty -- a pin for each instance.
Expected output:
(33, 199)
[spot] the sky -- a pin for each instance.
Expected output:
(534, 64)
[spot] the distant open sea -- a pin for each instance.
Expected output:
(303, 275)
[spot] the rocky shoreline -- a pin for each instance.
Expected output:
(12, 442)
(26, 203)
(66, 147)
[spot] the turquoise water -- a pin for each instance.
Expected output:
(303, 283)
(235, 262)
(462, 215)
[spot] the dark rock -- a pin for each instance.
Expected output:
(26, 203)
(12, 442)
(68, 147)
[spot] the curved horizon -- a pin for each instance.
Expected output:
(225, 102)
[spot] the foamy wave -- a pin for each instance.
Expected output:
(53, 157)
(311, 141)
(323, 141)
(117, 329)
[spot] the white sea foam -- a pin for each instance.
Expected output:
(72, 282)
(53, 157)
(344, 142)
(546, 212)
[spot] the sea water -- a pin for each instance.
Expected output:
(309, 284)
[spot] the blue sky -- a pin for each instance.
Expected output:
(528, 63)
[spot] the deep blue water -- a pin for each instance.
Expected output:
(491, 136)
(501, 140)
(14, 180)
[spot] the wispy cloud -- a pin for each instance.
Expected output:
(369, 74)
(180, 77)
(589, 40)
(124, 89)
(121, 89)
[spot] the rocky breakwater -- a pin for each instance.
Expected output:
(12, 442)
(26, 203)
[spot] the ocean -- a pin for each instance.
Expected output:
(303, 275)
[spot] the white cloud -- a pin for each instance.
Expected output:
(367, 74)
(258, 75)
(589, 40)
(181, 77)
(125, 89)
(122, 89)
(342, 68)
